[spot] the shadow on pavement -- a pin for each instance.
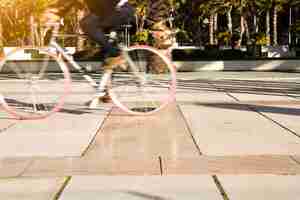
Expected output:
(259, 108)
(241, 86)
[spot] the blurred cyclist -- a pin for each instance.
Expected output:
(101, 16)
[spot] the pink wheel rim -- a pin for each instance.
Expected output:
(61, 100)
(171, 97)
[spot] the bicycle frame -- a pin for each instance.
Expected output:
(92, 82)
(107, 72)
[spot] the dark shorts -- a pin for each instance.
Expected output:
(96, 26)
(121, 16)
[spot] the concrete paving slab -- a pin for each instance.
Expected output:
(143, 137)
(97, 166)
(62, 134)
(138, 187)
(30, 189)
(13, 167)
(49, 167)
(200, 97)
(231, 165)
(261, 187)
(236, 130)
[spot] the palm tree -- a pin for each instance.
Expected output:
(1, 32)
(292, 25)
(210, 10)
(80, 40)
(228, 5)
(141, 13)
(158, 11)
(153, 13)
(265, 6)
(278, 7)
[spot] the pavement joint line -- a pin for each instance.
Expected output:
(189, 130)
(25, 168)
(2, 130)
(275, 122)
(220, 187)
(62, 188)
(217, 88)
(98, 131)
(230, 95)
(215, 178)
(291, 167)
(295, 160)
(161, 165)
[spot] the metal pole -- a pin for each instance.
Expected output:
(126, 36)
(290, 24)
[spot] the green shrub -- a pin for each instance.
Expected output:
(143, 37)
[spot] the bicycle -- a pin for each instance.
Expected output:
(37, 91)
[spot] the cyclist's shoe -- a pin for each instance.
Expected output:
(105, 99)
(98, 100)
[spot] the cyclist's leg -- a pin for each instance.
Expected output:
(94, 28)
(95, 25)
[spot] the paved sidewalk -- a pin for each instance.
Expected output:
(229, 136)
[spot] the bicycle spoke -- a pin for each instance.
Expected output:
(32, 90)
(147, 91)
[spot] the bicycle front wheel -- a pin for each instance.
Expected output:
(145, 83)
(33, 88)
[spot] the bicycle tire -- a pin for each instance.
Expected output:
(145, 83)
(33, 89)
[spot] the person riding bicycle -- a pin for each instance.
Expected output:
(100, 16)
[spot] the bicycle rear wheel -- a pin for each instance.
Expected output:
(35, 88)
(145, 83)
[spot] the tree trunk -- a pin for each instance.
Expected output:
(1, 38)
(229, 23)
(32, 31)
(268, 36)
(211, 29)
(275, 38)
(1, 32)
(242, 25)
(247, 32)
(229, 20)
(158, 11)
(80, 40)
(215, 27)
(255, 24)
